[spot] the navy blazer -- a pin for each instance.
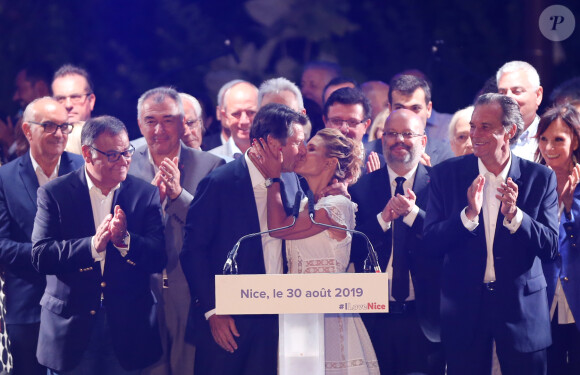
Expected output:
(566, 267)
(223, 210)
(372, 193)
(24, 286)
(61, 250)
(520, 282)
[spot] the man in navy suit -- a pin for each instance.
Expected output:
(230, 203)
(98, 236)
(176, 170)
(392, 222)
(493, 217)
(44, 125)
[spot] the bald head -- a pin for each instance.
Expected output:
(46, 147)
(240, 107)
(37, 107)
(404, 140)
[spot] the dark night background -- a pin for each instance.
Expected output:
(131, 46)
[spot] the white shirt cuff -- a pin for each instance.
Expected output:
(470, 225)
(516, 221)
(385, 225)
(411, 216)
(209, 314)
(96, 255)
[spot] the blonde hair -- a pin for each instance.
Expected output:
(348, 152)
(378, 123)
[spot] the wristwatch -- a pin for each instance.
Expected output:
(270, 181)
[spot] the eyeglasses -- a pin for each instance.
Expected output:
(336, 122)
(193, 123)
(51, 127)
(405, 135)
(74, 98)
(113, 156)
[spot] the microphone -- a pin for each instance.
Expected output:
(372, 257)
(231, 266)
(310, 196)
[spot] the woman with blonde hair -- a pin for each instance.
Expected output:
(315, 249)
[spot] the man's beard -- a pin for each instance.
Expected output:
(407, 159)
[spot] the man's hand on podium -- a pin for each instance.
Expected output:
(223, 330)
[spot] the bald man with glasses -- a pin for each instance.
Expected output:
(46, 129)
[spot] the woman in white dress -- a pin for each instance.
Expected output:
(330, 156)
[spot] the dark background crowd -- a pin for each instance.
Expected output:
(196, 46)
(448, 50)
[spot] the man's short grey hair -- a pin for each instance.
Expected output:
(514, 66)
(30, 111)
(276, 86)
(510, 109)
(464, 113)
(96, 126)
(194, 102)
(222, 93)
(159, 94)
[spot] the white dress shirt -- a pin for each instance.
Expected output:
(101, 207)
(271, 247)
(228, 149)
(490, 210)
(40, 175)
(527, 144)
(408, 220)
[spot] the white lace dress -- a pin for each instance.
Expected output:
(348, 348)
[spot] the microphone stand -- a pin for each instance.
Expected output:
(231, 266)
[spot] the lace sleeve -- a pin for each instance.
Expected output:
(340, 209)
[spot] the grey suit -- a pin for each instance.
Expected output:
(194, 165)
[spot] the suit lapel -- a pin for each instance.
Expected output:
(187, 174)
(117, 197)
(420, 184)
(66, 164)
(28, 177)
(381, 187)
(81, 199)
(515, 171)
(515, 174)
(141, 167)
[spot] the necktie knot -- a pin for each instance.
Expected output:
(399, 189)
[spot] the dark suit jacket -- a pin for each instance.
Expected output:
(211, 141)
(520, 283)
(223, 210)
(566, 267)
(61, 250)
(371, 193)
(24, 286)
